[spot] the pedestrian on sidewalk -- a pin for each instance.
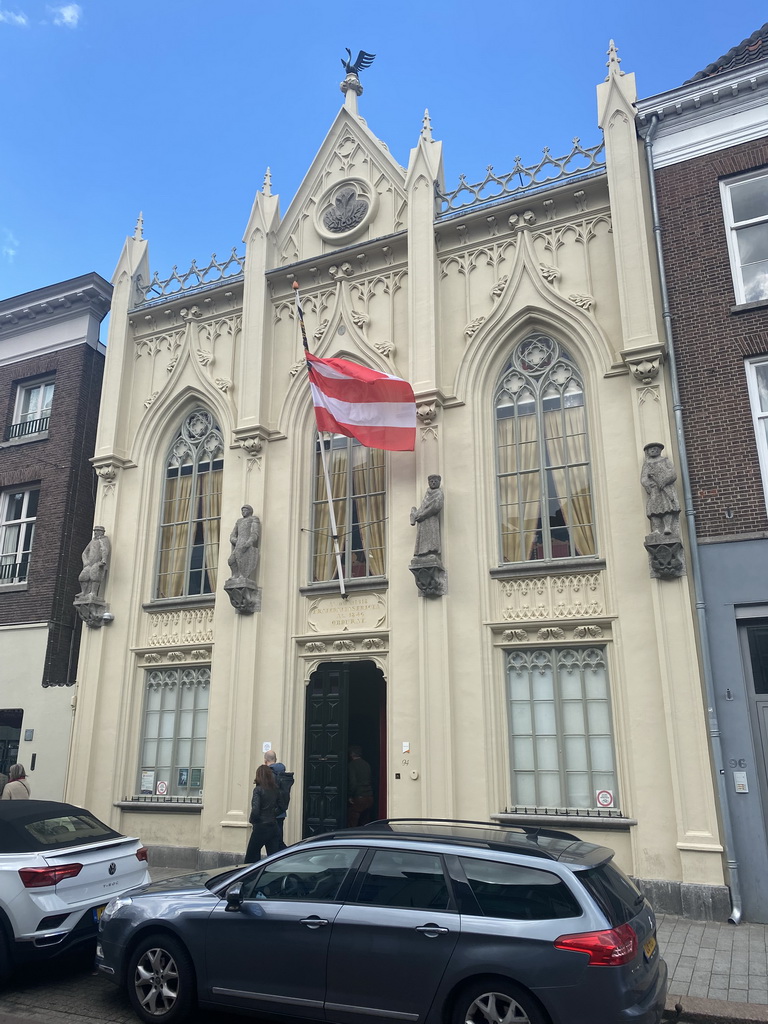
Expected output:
(17, 787)
(284, 780)
(265, 806)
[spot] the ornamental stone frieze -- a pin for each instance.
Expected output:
(531, 599)
(175, 657)
(345, 645)
(193, 626)
(550, 634)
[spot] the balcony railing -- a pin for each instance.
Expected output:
(14, 572)
(29, 427)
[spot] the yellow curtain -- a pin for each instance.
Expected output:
(519, 485)
(368, 479)
(174, 536)
(209, 489)
(529, 471)
(576, 507)
(325, 558)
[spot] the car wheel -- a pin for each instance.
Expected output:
(161, 980)
(496, 1002)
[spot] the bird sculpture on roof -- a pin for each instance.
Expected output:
(364, 60)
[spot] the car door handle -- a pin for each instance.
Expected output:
(313, 922)
(431, 930)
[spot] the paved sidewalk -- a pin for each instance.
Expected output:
(717, 971)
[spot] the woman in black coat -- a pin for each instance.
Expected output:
(266, 804)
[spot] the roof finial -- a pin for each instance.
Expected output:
(613, 61)
(138, 231)
(426, 127)
(351, 85)
(266, 188)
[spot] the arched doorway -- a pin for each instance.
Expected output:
(346, 706)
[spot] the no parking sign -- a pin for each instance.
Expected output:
(604, 798)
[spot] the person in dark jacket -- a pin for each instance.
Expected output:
(284, 780)
(265, 805)
(359, 788)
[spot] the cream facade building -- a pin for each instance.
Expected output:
(556, 682)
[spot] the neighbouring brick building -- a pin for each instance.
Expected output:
(51, 368)
(709, 145)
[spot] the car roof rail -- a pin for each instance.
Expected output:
(531, 831)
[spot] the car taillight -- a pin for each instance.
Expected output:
(605, 948)
(36, 878)
(142, 853)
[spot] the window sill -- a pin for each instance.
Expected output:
(170, 604)
(156, 805)
(599, 822)
(41, 435)
(746, 307)
(553, 568)
(351, 586)
(12, 588)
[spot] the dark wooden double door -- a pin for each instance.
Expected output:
(345, 707)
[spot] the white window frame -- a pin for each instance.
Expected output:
(25, 539)
(170, 717)
(534, 734)
(733, 228)
(356, 535)
(759, 419)
(199, 441)
(23, 389)
(522, 382)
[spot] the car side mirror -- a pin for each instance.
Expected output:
(234, 898)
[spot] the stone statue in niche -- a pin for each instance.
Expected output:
(89, 603)
(244, 595)
(662, 507)
(426, 564)
(347, 211)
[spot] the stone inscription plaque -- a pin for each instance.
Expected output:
(358, 612)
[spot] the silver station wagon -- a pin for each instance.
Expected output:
(444, 922)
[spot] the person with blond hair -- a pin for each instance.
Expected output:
(17, 787)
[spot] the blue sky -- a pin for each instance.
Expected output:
(176, 107)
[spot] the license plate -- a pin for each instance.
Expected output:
(97, 912)
(649, 947)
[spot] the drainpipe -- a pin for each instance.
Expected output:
(715, 739)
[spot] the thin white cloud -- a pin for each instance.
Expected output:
(10, 18)
(9, 245)
(67, 15)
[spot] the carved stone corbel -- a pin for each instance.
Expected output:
(644, 364)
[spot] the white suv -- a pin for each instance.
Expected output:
(59, 867)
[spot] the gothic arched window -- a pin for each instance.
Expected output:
(189, 528)
(358, 481)
(544, 485)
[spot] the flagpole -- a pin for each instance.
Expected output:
(323, 455)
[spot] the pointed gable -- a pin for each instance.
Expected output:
(749, 51)
(353, 191)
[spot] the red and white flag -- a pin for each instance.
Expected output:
(375, 408)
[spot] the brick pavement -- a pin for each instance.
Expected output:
(714, 960)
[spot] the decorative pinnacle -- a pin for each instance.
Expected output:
(613, 61)
(138, 231)
(266, 188)
(426, 127)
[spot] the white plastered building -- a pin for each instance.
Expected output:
(556, 683)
